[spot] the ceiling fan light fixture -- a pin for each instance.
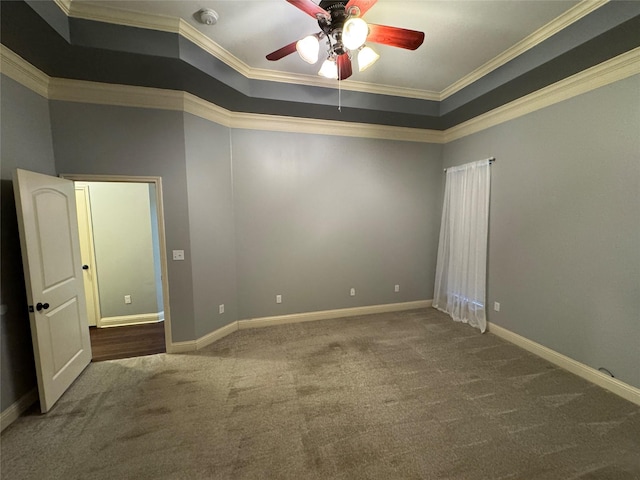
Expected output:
(354, 33)
(367, 56)
(308, 48)
(329, 69)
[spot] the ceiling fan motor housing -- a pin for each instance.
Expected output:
(332, 27)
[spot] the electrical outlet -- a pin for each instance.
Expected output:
(221, 309)
(127, 299)
(496, 306)
(396, 288)
(278, 298)
(178, 254)
(352, 292)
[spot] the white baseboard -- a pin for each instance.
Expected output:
(208, 339)
(614, 385)
(329, 314)
(138, 319)
(8, 416)
(192, 345)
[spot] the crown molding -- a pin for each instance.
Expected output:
(207, 110)
(277, 123)
(543, 33)
(102, 13)
(64, 5)
(91, 11)
(164, 23)
(618, 68)
(15, 67)
(351, 85)
(82, 91)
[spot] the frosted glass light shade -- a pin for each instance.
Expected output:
(366, 57)
(329, 69)
(308, 48)
(354, 33)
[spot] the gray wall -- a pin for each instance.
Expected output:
(310, 216)
(26, 143)
(96, 139)
(123, 243)
(212, 248)
(564, 246)
(317, 215)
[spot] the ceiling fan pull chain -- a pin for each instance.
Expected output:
(339, 89)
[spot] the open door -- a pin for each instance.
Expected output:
(48, 225)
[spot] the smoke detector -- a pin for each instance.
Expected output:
(208, 16)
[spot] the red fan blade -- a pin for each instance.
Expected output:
(282, 52)
(307, 6)
(344, 67)
(363, 5)
(394, 36)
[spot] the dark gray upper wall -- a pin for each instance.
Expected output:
(560, 45)
(134, 56)
(106, 140)
(53, 15)
(26, 143)
(564, 228)
(310, 226)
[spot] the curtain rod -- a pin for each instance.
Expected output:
(491, 160)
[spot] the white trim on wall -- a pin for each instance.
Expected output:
(208, 339)
(613, 70)
(614, 385)
(137, 319)
(169, 24)
(17, 408)
(13, 66)
(329, 314)
(572, 15)
(189, 346)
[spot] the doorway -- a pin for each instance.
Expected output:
(123, 251)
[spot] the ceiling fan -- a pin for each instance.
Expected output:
(345, 31)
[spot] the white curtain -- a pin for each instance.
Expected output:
(462, 251)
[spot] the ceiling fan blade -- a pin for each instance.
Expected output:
(344, 67)
(363, 5)
(308, 7)
(282, 52)
(394, 36)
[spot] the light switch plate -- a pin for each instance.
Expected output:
(178, 254)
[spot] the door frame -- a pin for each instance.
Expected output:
(157, 181)
(95, 290)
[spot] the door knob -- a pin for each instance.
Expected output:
(41, 306)
(85, 267)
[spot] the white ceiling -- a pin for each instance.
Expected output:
(461, 35)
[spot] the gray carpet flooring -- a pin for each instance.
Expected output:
(410, 395)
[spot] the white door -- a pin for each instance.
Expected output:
(87, 255)
(48, 226)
